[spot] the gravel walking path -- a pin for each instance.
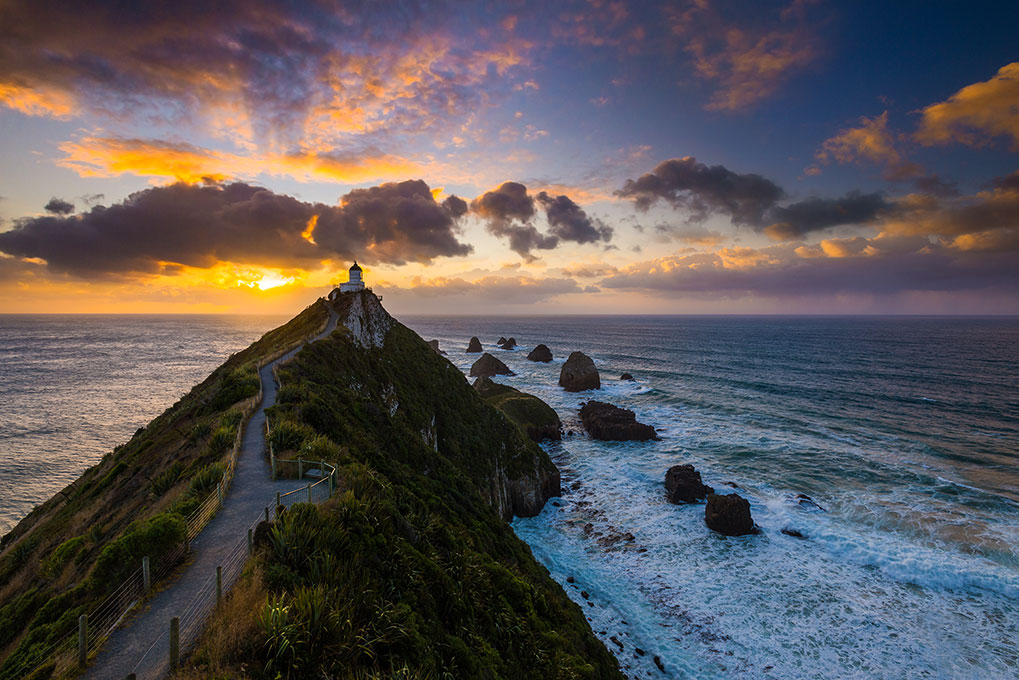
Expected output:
(142, 645)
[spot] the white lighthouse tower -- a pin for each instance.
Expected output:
(354, 283)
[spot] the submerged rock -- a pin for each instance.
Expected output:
(434, 344)
(579, 373)
(474, 345)
(531, 414)
(683, 485)
(793, 532)
(729, 515)
(626, 376)
(488, 366)
(609, 422)
(540, 353)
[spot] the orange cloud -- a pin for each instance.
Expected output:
(36, 101)
(871, 141)
(113, 156)
(749, 64)
(977, 113)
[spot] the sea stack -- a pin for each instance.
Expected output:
(611, 423)
(683, 485)
(729, 515)
(540, 353)
(474, 345)
(487, 366)
(579, 373)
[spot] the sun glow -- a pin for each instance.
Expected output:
(267, 281)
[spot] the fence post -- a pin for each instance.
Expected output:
(272, 459)
(146, 573)
(251, 542)
(267, 513)
(82, 640)
(330, 484)
(321, 469)
(219, 491)
(219, 585)
(300, 468)
(277, 501)
(309, 492)
(174, 643)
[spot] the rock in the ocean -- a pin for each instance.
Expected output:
(488, 366)
(474, 345)
(540, 353)
(501, 341)
(579, 374)
(729, 515)
(511, 343)
(531, 414)
(434, 344)
(608, 422)
(626, 376)
(683, 485)
(795, 533)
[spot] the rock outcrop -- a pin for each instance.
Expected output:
(474, 345)
(729, 515)
(434, 344)
(501, 340)
(626, 376)
(488, 366)
(683, 485)
(540, 353)
(579, 373)
(531, 414)
(510, 343)
(611, 423)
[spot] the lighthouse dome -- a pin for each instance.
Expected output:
(354, 267)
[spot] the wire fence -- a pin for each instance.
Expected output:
(73, 649)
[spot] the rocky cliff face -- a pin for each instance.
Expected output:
(396, 388)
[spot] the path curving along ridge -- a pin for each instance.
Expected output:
(142, 645)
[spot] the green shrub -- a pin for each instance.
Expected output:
(231, 418)
(321, 447)
(154, 537)
(164, 482)
(64, 552)
(286, 435)
(238, 384)
(221, 440)
(206, 479)
(200, 431)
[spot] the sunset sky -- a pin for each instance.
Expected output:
(582, 157)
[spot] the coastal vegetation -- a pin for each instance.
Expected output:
(72, 551)
(411, 570)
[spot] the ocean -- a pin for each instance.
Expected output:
(904, 432)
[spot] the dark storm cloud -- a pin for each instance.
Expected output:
(456, 206)
(507, 203)
(399, 221)
(747, 199)
(799, 219)
(201, 225)
(1008, 182)
(569, 222)
(58, 206)
(704, 190)
(934, 185)
(508, 210)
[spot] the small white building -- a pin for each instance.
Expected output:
(354, 282)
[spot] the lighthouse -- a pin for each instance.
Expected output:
(354, 282)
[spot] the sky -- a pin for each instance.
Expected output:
(588, 157)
